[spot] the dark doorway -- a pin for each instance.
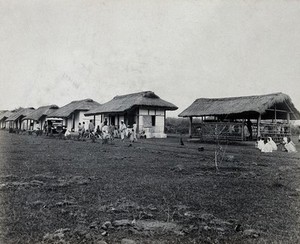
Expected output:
(112, 120)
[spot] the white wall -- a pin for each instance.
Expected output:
(26, 125)
(80, 118)
(145, 122)
(144, 115)
(7, 124)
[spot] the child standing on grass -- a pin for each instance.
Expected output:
(91, 126)
(131, 135)
(79, 128)
(105, 133)
(134, 131)
(83, 129)
(122, 130)
(116, 132)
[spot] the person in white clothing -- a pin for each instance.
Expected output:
(290, 146)
(123, 129)
(267, 148)
(260, 143)
(105, 133)
(246, 132)
(134, 131)
(272, 143)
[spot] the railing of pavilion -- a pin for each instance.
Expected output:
(218, 130)
(275, 130)
(234, 131)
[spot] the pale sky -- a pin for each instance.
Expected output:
(53, 52)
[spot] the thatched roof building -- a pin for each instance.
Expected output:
(2, 111)
(270, 115)
(244, 107)
(5, 115)
(73, 113)
(67, 110)
(126, 102)
(20, 114)
(15, 119)
(40, 112)
(145, 109)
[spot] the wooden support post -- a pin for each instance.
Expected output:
(73, 122)
(137, 120)
(190, 126)
(243, 124)
(258, 125)
(94, 120)
(165, 119)
(288, 121)
(275, 117)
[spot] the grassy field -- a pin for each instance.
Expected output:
(156, 191)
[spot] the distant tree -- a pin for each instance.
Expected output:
(295, 129)
(177, 125)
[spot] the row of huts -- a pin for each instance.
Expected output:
(146, 109)
(224, 118)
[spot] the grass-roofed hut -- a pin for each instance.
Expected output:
(145, 108)
(36, 119)
(269, 115)
(73, 113)
(3, 116)
(15, 119)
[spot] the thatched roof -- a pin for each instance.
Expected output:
(20, 114)
(125, 102)
(67, 110)
(40, 112)
(5, 115)
(247, 105)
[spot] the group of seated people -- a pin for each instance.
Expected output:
(267, 145)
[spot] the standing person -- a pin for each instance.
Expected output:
(104, 123)
(122, 130)
(79, 128)
(80, 134)
(83, 129)
(116, 132)
(131, 135)
(105, 133)
(134, 131)
(91, 126)
(246, 132)
(45, 127)
(249, 126)
(98, 131)
(49, 128)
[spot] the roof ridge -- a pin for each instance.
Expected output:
(82, 100)
(228, 98)
(135, 93)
